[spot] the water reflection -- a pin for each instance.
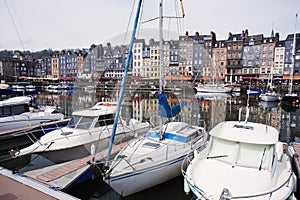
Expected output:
(202, 109)
(140, 102)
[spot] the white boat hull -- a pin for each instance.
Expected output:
(270, 97)
(146, 178)
(213, 89)
(76, 152)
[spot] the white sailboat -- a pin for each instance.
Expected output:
(242, 160)
(271, 94)
(213, 88)
(156, 158)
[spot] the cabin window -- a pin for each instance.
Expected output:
(243, 127)
(85, 123)
(18, 109)
(6, 111)
(222, 150)
(253, 155)
(105, 120)
(73, 121)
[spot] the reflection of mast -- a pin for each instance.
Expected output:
(288, 128)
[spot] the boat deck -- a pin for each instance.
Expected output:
(14, 186)
(62, 176)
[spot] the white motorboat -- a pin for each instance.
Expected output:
(22, 112)
(87, 129)
(242, 160)
(156, 158)
(270, 96)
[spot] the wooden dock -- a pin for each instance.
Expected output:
(14, 186)
(64, 175)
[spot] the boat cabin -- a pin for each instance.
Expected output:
(102, 114)
(16, 106)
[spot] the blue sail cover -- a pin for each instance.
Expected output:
(165, 110)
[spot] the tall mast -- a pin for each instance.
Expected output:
(122, 91)
(160, 60)
(293, 58)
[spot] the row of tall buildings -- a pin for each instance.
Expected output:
(202, 57)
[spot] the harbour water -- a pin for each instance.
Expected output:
(205, 110)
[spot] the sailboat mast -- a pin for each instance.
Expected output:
(122, 91)
(160, 59)
(293, 58)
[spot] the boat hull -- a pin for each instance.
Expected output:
(269, 97)
(146, 178)
(22, 137)
(212, 89)
(79, 151)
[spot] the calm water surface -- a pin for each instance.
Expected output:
(204, 110)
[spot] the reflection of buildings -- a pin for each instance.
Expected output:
(290, 119)
(213, 111)
(270, 114)
(145, 108)
(148, 108)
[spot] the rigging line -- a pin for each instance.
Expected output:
(130, 17)
(139, 25)
(13, 21)
(17, 17)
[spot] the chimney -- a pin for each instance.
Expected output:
(246, 33)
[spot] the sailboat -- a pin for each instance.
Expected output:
(157, 157)
(213, 88)
(271, 94)
(292, 98)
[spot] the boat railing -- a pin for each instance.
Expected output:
(189, 181)
(42, 128)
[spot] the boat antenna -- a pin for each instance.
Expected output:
(247, 106)
(122, 90)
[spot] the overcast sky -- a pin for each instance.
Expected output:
(62, 24)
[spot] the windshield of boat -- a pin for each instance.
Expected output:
(81, 122)
(240, 154)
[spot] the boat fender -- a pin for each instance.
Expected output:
(186, 187)
(93, 149)
(195, 153)
(279, 152)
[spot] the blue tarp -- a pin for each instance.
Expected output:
(165, 110)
